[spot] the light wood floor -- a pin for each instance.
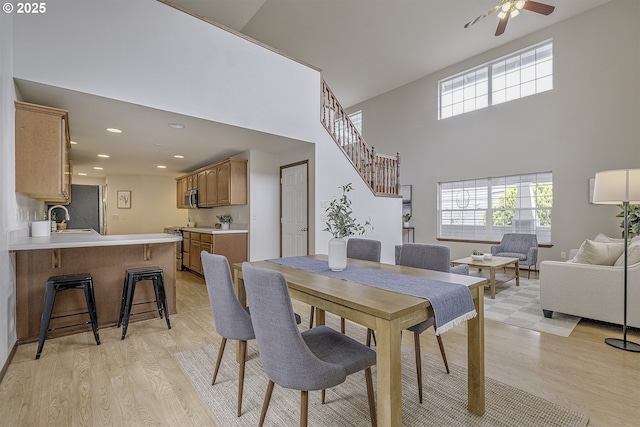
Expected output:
(136, 382)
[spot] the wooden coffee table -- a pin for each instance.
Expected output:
(491, 265)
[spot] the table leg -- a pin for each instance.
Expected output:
(492, 282)
(388, 377)
(475, 355)
(517, 272)
(320, 317)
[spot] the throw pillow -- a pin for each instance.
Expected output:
(598, 253)
(633, 255)
(603, 238)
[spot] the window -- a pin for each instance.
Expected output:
(515, 76)
(485, 209)
(356, 119)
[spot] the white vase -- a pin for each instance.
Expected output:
(337, 254)
(406, 224)
(225, 226)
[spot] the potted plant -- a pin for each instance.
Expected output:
(405, 218)
(633, 220)
(225, 220)
(340, 223)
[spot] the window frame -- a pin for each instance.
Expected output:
(473, 224)
(488, 69)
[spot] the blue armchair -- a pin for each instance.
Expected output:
(521, 246)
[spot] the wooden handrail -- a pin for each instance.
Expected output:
(381, 172)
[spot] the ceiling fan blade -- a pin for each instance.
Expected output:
(542, 8)
(502, 24)
(484, 15)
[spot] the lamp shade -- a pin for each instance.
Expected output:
(617, 186)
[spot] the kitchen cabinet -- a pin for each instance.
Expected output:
(229, 244)
(219, 184)
(42, 142)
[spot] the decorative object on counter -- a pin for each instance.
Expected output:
(225, 220)
(405, 218)
(190, 224)
(41, 228)
(477, 255)
(340, 223)
(62, 225)
(124, 199)
(615, 187)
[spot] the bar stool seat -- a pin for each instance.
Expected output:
(57, 284)
(133, 276)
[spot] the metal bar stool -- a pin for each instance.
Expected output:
(56, 284)
(133, 276)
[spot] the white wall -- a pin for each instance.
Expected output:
(589, 122)
(163, 58)
(153, 204)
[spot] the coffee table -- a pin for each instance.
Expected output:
(491, 265)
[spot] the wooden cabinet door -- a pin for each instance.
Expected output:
(181, 188)
(212, 187)
(203, 200)
(196, 262)
(223, 174)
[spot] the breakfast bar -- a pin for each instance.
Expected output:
(106, 258)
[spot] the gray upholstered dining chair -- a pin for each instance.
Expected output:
(231, 319)
(316, 359)
(428, 257)
(364, 249)
(521, 246)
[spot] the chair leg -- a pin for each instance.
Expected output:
(265, 403)
(243, 359)
(324, 395)
(444, 355)
(416, 340)
(311, 317)
(304, 408)
(372, 400)
(342, 325)
(49, 299)
(371, 334)
(220, 353)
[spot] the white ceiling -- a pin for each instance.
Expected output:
(364, 47)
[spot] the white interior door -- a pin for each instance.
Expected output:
(294, 199)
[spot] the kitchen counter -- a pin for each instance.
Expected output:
(89, 239)
(106, 258)
(208, 230)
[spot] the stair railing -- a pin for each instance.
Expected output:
(380, 172)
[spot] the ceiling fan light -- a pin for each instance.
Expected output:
(502, 14)
(520, 4)
(506, 6)
(514, 12)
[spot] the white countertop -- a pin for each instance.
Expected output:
(214, 230)
(88, 239)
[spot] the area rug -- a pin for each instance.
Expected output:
(520, 306)
(445, 399)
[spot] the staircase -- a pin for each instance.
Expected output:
(381, 172)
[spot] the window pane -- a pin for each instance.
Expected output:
(527, 89)
(544, 84)
(499, 97)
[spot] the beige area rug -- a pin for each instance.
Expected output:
(445, 399)
(520, 306)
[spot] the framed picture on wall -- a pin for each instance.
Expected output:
(124, 199)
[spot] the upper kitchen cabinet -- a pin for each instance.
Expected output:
(43, 168)
(220, 184)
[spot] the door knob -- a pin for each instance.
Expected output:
(303, 229)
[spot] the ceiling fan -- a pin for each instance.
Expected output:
(511, 9)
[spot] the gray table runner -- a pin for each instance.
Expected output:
(452, 303)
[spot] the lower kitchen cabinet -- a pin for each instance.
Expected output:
(231, 245)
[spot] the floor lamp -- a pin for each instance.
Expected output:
(617, 187)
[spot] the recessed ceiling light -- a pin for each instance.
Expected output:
(176, 125)
(161, 167)
(82, 174)
(104, 156)
(98, 168)
(74, 143)
(114, 130)
(179, 156)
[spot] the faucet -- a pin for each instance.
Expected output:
(66, 217)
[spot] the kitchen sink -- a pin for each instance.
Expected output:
(75, 230)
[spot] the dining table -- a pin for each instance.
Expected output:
(388, 313)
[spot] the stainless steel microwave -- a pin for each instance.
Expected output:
(191, 199)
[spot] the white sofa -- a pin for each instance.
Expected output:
(590, 291)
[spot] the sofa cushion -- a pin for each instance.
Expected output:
(633, 255)
(601, 237)
(598, 253)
